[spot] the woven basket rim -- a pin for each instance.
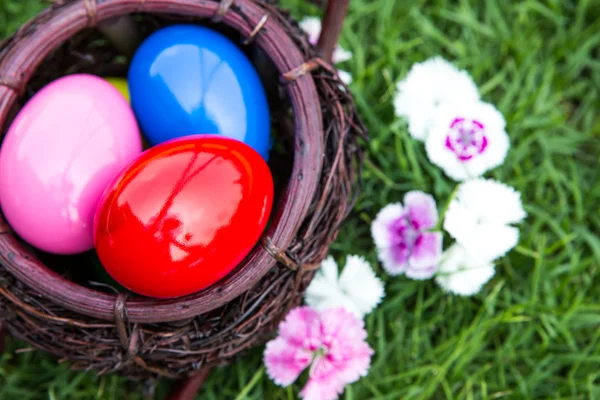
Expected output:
(18, 66)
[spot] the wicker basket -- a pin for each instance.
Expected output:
(141, 337)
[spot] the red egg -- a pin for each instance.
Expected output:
(183, 215)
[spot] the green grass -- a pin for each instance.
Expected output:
(533, 332)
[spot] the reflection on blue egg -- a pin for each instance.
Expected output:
(188, 79)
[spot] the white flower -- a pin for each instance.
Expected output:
(345, 76)
(312, 27)
(480, 215)
(357, 289)
(428, 86)
(467, 139)
(340, 55)
(461, 274)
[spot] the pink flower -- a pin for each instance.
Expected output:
(403, 243)
(331, 342)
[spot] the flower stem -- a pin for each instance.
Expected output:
(440, 223)
(320, 353)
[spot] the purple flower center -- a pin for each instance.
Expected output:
(466, 138)
(405, 235)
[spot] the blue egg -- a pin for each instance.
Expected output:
(187, 79)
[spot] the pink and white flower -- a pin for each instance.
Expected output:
(312, 27)
(479, 218)
(467, 139)
(403, 241)
(357, 289)
(427, 87)
(462, 274)
(331, 342)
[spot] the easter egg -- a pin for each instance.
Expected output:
(121, 85)
(183, 215)
(187, 79)
(66, 144)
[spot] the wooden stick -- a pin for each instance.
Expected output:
(188, 388)
(333, 22)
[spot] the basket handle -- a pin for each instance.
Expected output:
(333, 22)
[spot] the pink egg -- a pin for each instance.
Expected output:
(62, 150)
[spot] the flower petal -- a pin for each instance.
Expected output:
(393, 263)
(340, 55)
(339, 299)
(498, 142)
(393, 259)
(418, 115)
(345, 76)
(421, 209)
(345, 358)
(421, 273)
(491, 201)
(428, 249)
(321, 295)
(380, 226)
(477, 220)
(446, 160)
(284, 361)
(356, 366)
(342, 326)
(302, 328)
(312, 27)
(459, 222)
(359, 282)
(329, 270)
(425, 256)
(326, 387)
(467, 139)
(358, 290)
(490, 241)
(344, 335)
(461, 275)
(427, 86)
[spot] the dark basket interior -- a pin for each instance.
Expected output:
(90, 52)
